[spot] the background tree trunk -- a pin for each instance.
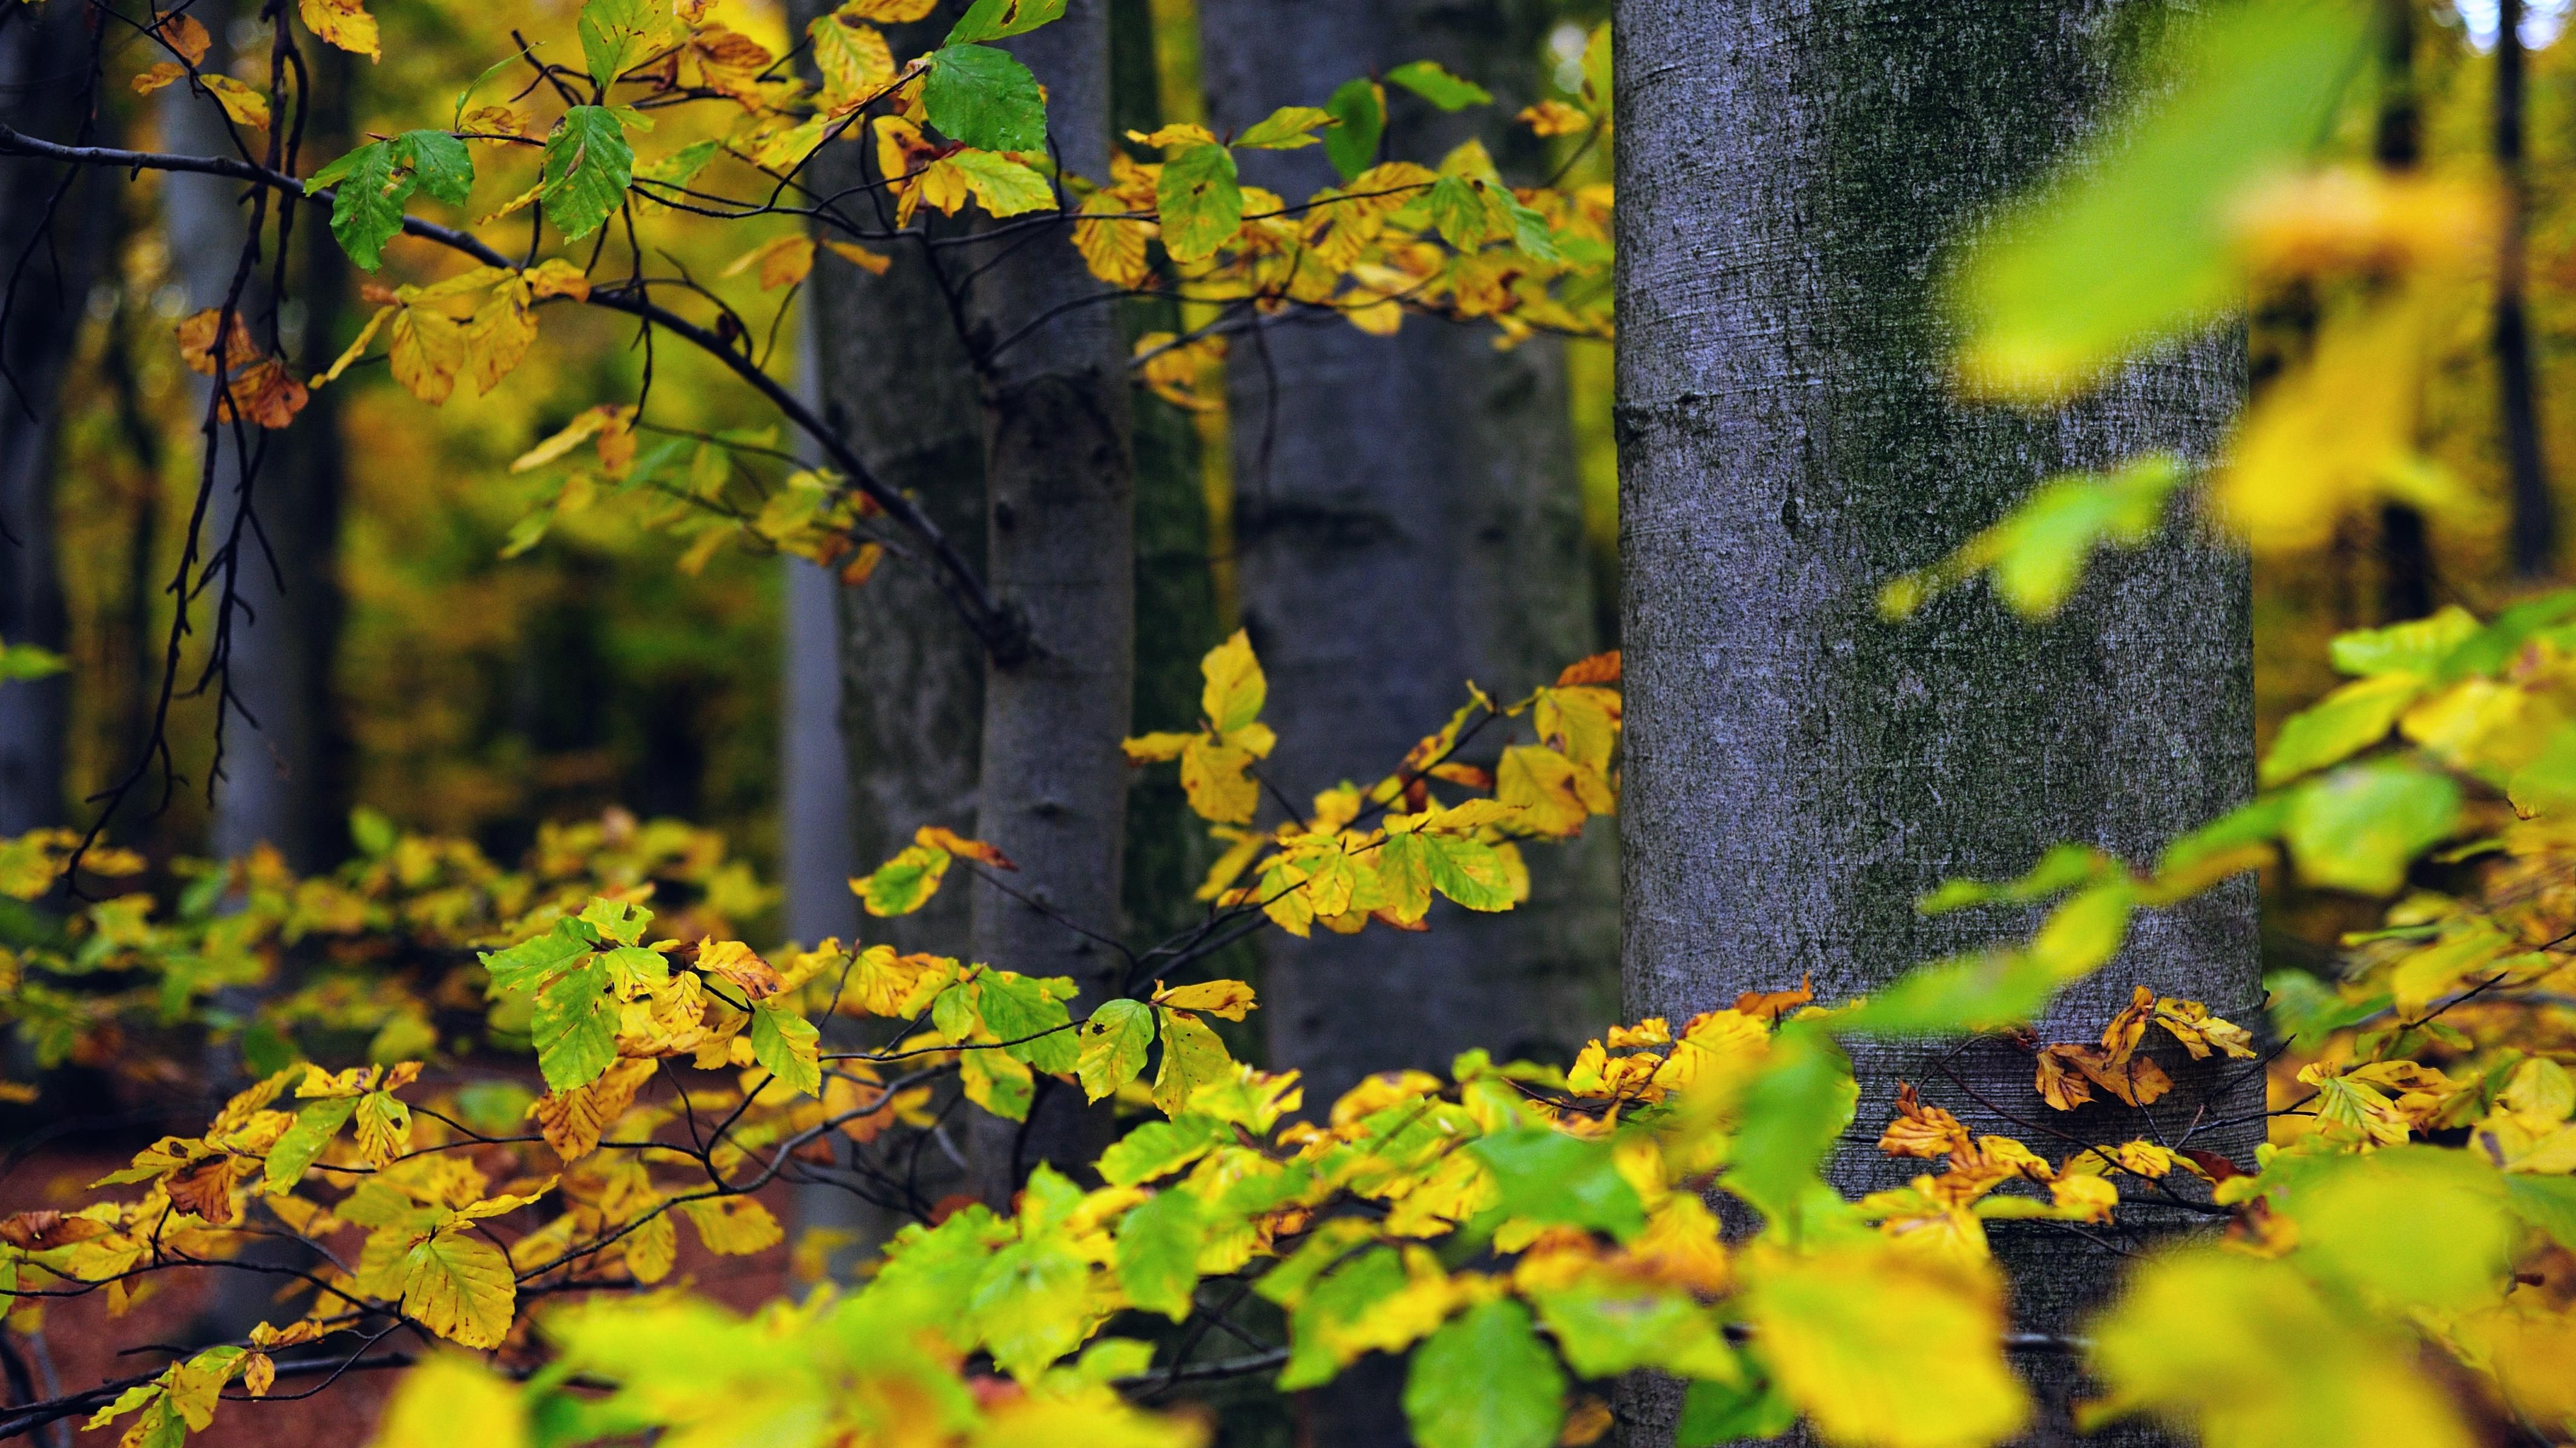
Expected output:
(908, 684)
(44, 91)
(1796, 770)
(1408, 517)
(2535, 510)
(1060, 518)
(278, 785)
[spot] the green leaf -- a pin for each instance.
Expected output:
(303, 1143)
(588, 168)
(1158, 1253)
(1193, 1056)
(1336, 1301)
(1285, 129)
(1361, 108)
(1457, 212)
(1159, 1148)
(1793, 1112)
(610, 31)
(2037, 553)
(575, 1025)
(2252, 823)
(1605, 1330)
(1200, 201)
(2358, 828)
(1548, 1177)
(2546, 1202)
(520, 967)
(2409, 1227)
(1981, 991)
(1485, 1381)
(1114, 1042)
(2063, 868)
(1002, 186)
(1032, 1303)
(2134, 240)
(2419, 646)
(21, 662)
(1427, 79)
(1716, 1412)
(1469, 872)
(997, 19)
(2340, 725)
(786, 1044)
(439, 164)
(903, 884)
(984, 98)
(367, 209)
(622, 921)
(1022, 1005)
(2487, 651)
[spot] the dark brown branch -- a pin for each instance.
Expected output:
(997, 626)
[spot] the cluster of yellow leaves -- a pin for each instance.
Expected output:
(445, 330)
(1382, 853)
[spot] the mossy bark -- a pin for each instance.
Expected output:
(1797, 770)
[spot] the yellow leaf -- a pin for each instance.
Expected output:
(1235, 688)
(1192, 1057)
(1230, 999)
(239, 101)
(733, 1226)
(450, 1400)
(1114, 249)
(889, 12)
(427, 349)
(356, 349)
(159, 74)
(1887, 1347)
(459, 1286)
(783, 261)
(573, 1120)
(1213, 777)
(556, 277)
(1155, 748)
(954, 843)
(853, 56)
(499, 334)
(587, 422)
(2247, 1354)
(652, 1248)
(344, 23)
(185, 35)
(873, 263)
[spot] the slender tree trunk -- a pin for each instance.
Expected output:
(44, 64)
(815, 861)
(2406, 550)
(908, 684)
(1060, 545)
(278, 784)
(1177, 622)
(1408, 517)
(2535, 511)
(1797, 771)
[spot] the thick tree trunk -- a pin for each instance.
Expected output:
(1408, 517)
(44, 59)
(1797, 771)
(903, 677)
(1061, 550)
(278, 785)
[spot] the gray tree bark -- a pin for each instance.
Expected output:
(279, 783)
(1796, 770)
(1061, 550)
(1407, 517)
(44, 60)
(899, 670)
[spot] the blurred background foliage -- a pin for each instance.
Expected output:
(481, 695)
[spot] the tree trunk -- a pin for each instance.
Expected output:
(2535, 510)
(1408, 517)
(2405, 547)
(1797, 771)
(278, 783)
(908, 685)
(44, 60)
(1061, 552)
